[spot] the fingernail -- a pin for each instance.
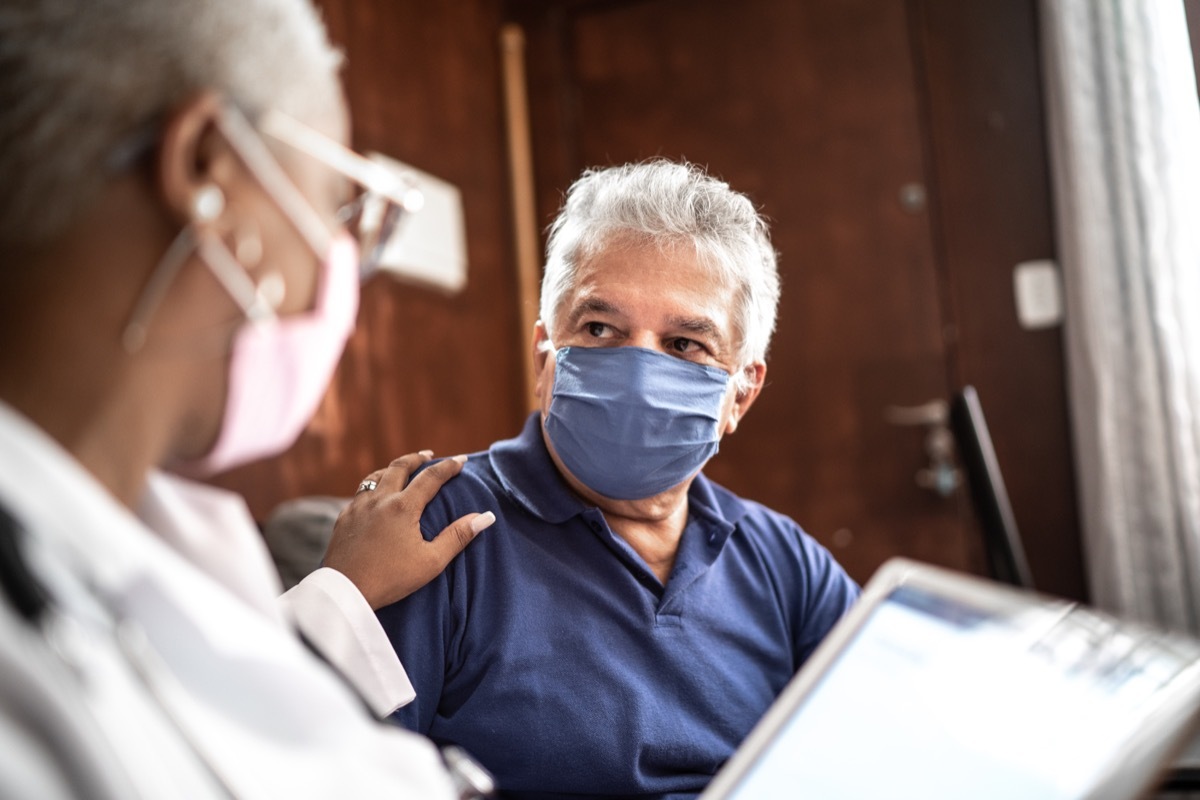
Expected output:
(460, 459)
(426, 453)
(484, 520)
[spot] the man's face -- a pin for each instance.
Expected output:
(663, 300)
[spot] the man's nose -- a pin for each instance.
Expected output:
(646, 339)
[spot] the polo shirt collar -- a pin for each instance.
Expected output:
(525, 469)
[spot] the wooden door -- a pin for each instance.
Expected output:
(816, 110)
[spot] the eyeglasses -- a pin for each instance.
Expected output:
(373, 217)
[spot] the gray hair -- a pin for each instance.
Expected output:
(80, 79)
(669, 204)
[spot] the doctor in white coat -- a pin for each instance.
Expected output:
(178, 275)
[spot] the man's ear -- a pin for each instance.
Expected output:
(541, 354)
(541, 346)
(757, 375)
(193, 158)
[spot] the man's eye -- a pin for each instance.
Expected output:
(597, 329)
(682, 345)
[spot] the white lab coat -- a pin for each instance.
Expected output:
(168, 660)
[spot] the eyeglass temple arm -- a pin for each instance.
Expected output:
(366, 173)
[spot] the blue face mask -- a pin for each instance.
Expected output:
(629, 422)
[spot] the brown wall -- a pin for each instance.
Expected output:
(425, 370)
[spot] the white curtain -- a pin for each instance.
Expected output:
(1125, 148)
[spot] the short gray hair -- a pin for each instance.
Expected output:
(80, 78)
(668, 204)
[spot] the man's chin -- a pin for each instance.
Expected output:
(653, 508)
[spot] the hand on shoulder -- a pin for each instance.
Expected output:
(377, 541)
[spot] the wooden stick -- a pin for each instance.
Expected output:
(520, 159)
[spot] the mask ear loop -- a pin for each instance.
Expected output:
(255, 303)
(258, 159)
(742, 380)
(133, 338)
(258, 302)
(233, 277)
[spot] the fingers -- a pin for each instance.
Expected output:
(457, 535)
(428, 483)
(369, 482)
(396, 475)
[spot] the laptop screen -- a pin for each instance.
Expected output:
(937, 696)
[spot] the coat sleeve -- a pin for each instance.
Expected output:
(333, 616)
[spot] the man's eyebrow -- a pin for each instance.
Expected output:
(592, 305)
(701, 326)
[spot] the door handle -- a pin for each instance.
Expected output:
(941, 476)
(935, 412)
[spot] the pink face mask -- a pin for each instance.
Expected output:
(280, 368)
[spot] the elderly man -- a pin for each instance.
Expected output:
(176, 286)
(627, 621)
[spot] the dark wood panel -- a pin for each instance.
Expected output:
(981, 69)
(423, 370)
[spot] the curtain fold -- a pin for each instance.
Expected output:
(1125, 150)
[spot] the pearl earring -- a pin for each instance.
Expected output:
(247, 247)
(208, 203)
(271, 290)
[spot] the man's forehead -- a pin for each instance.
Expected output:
(656, 288)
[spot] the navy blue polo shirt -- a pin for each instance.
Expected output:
(555, 656)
